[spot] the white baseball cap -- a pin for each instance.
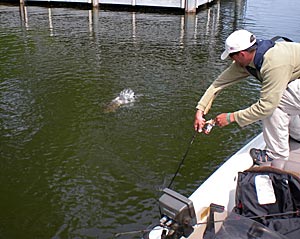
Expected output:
(238, 41)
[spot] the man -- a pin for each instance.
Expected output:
(277, 66)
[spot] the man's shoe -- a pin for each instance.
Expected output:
(259, 156)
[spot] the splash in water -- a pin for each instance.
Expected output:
(126, 96)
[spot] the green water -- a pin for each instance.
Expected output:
(69, 170)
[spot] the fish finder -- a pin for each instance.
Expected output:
(177, 217)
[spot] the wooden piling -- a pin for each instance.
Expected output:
(190, 6)
(95, 3)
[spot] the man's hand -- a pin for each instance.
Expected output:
(224, 119)
(199, 121)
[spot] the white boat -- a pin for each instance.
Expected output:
(191, 215)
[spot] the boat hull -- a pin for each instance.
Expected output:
(220, 187)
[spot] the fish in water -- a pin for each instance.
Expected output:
(126, 96)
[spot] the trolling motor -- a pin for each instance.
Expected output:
(177, 217)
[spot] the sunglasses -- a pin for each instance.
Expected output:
(234, 53)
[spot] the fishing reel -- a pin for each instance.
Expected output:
(208, 126)
(177, 217)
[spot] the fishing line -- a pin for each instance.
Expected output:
(183, 158)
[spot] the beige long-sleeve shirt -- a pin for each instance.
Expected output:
(281, 65)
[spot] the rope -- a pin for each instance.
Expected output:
(253, 217)
(216, 221)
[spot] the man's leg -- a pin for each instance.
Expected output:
(295, 127)
(276, 134)
(283, 122)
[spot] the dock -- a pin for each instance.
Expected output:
(187, 6)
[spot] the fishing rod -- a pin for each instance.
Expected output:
(206, 129)
(183, 158)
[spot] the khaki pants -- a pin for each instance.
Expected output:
(284, 122)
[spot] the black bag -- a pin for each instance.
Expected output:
(272, 197)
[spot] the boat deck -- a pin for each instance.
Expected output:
(220, 187)
(294, 150)
(293, 164)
